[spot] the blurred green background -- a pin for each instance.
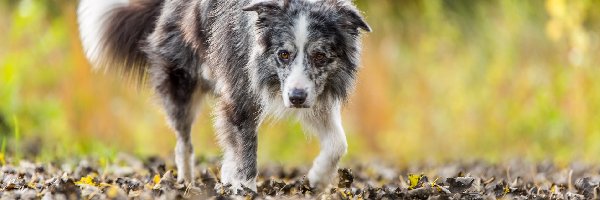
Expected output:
(441, 81)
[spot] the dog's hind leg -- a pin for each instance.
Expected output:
(175, 76)
(179, 94)
(236, 125)
(327, 125)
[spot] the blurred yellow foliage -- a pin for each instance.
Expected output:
(566, 20)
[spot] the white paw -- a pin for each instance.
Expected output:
(317, 179)
(184, 159)
(250, 184)
(185, 174)
(185, 180)
(237, 186)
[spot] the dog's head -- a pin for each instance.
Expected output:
(306, 50)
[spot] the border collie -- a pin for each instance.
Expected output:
(258, 57)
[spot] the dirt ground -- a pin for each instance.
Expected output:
(151, 178)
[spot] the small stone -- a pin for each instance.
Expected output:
(460, 184)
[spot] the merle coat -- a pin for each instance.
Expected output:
(281, 57)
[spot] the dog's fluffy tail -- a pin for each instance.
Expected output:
(113, 33)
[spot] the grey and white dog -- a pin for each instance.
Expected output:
(296, 57)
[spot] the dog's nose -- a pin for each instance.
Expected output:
(298, 97)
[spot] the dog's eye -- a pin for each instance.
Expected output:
(319, 57)
(284, 55)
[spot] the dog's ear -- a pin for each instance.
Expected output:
(350, 17)
(267, 6)
(355, 20)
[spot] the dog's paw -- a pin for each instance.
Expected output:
(185, 179)
(319, 180)
(237, 187)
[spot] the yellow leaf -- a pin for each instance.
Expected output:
(87, 180)
(434, 183)
(31, 185)
(554, 189)
(2, 160)
(156, 179)
(413, 180)
(506, 190)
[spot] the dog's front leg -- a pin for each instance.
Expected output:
(327, 125)
(236, 124)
